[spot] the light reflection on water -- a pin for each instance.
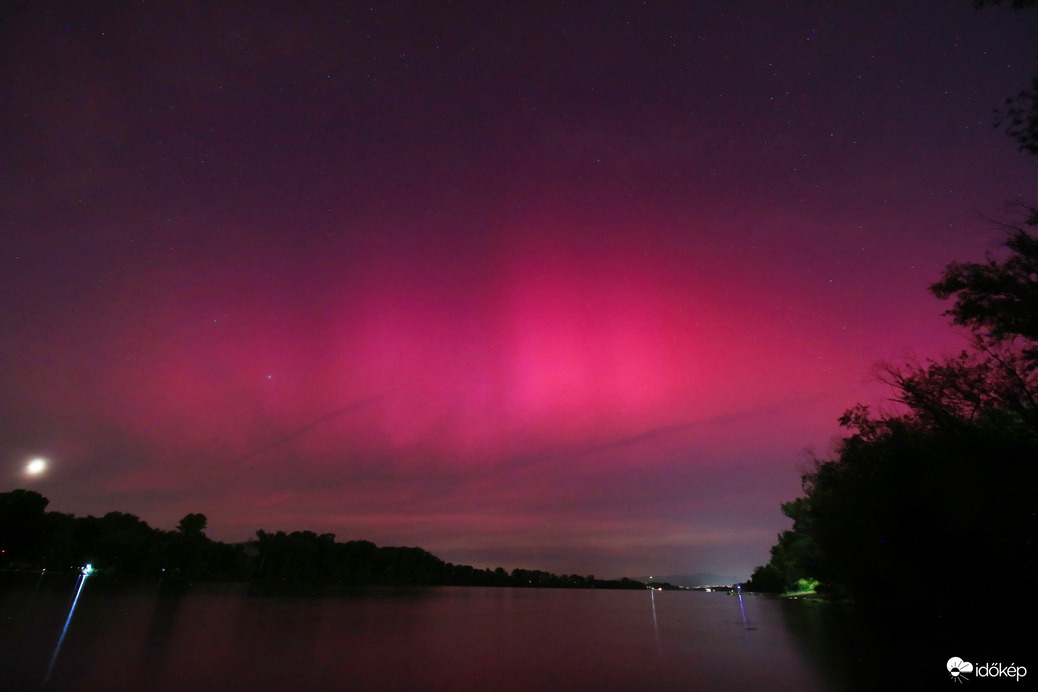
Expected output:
(448, 638)
(80, 583)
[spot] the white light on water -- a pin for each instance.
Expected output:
(84, 572)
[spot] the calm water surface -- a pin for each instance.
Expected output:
(448, 638)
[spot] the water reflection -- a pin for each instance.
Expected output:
(655, 623)
(80, 582)
(161, 625)
(441, 638)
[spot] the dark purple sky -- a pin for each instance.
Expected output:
(567, 286)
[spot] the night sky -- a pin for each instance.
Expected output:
(567, 286)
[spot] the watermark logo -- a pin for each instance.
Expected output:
(958, 668)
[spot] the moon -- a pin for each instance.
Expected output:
(36, 466)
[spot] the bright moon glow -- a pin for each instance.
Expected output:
(36, 466)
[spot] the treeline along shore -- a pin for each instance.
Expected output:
(121, 547)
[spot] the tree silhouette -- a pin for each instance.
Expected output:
(22, 525)
(1020, 117)
(953, 472)
(123, 546)
(1015, 4)
(997, 298)
(192, 525)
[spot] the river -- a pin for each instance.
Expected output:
(444, 638)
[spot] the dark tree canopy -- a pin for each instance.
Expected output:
(1020, 116)
(192, 525)
(21, 524)
(123, 546)
(989, 383)
(957, 467)
(1015, 4)
(954, 469)
(997, 298)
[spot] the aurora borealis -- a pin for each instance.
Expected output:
(563, 286)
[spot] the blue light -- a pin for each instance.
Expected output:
(80, 580)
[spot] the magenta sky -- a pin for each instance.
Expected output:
(565, 288)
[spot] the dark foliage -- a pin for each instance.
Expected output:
(940, 498)
(22, 525)
(943, 496)
(997, 299)
(1020, 116)
(122, 546)
(1015, 4)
